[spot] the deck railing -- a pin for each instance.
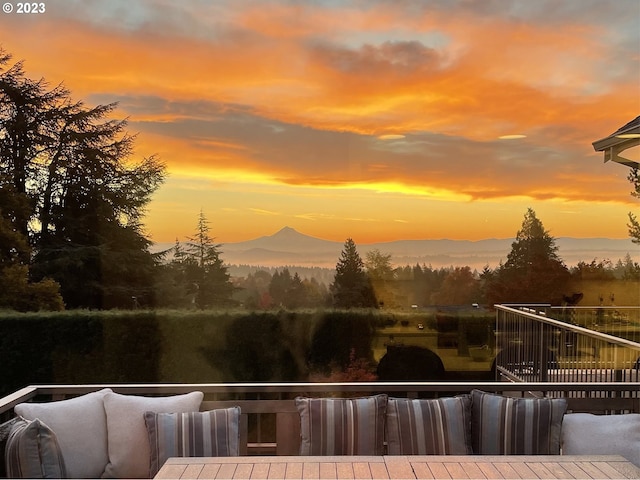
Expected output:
(538, 343)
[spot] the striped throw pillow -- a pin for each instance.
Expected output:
(215, 433)
(342, 426)
(429, 427)
(32, 451)
(515, 426)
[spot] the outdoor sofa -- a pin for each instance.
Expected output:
(128, 431)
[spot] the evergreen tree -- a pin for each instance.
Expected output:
(205, 274)
(279, 287)
(351, 286)
(533, 272)
(78, 200)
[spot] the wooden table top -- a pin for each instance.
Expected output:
(402, 467)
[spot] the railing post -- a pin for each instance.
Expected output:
(544, 353)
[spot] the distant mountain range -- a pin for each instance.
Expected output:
(288, 247)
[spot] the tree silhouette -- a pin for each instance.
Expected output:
(351, 286)
(203, 272)
(77, 198)
(533, 271)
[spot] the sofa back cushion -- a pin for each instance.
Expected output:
(32, 451)
(515, 426)
(429, 427)
(80, 426)
(215, 433)
(588, 434)
(129, 451)
(342, 426)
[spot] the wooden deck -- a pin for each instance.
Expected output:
(401, 467)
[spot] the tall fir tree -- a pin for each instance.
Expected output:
(206, 275)
(533, 272)
(351, 286)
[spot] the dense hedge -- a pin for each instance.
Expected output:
(201, 346)
(176, 346)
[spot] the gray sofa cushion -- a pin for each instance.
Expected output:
(80, 425)
(588, 434)
(129, 451)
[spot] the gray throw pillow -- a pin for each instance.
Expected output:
(215, 433)
(342, 426)
(515, 426)
(32, 451)
(429, 427)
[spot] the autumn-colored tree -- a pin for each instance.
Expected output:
(459, 287)
(382, 276)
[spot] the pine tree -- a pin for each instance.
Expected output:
(351, 286)
(206, 275)
(533, 272)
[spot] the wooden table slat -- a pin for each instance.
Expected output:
(192, 471)
(277, 470)
(401, 467)
(471, 469)
(344, 470)
(209, 471)
(171, 471)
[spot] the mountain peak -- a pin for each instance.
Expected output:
(286, 231)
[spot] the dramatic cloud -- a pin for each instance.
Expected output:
(388, 97)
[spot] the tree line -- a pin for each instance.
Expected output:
(72, 203)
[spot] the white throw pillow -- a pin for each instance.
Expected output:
(80, 426)
(588, 434)
(129, 450)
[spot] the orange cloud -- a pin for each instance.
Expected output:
(401, 99)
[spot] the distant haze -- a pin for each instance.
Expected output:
(290, 247)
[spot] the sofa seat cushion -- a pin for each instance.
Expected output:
(588, 434)
(515, 426)
(342, 426)
(129, 450)
(80, 425)
(32, 451)
(215, 433)
(429, 427)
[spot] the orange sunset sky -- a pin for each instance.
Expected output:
(376, 120)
